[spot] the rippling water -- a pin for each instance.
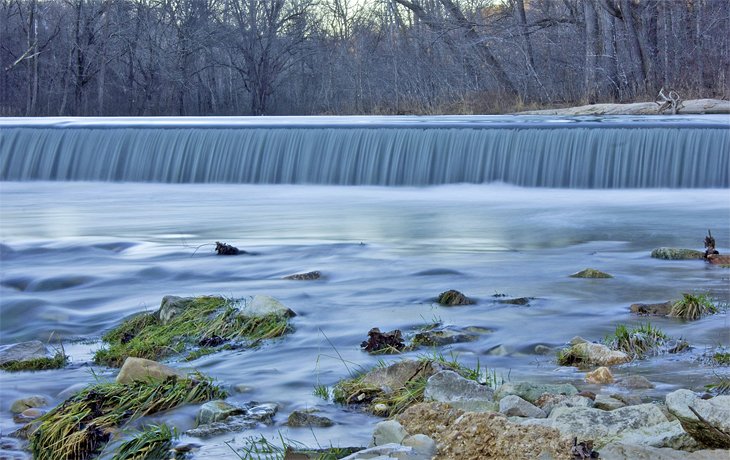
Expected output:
(79, 257)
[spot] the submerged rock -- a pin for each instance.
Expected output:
(247, 417)
(217, 411)
(315, 275)
(29, 402)
(706, 420)
(299, 418)
(590, 273)
(522, 301)
(677, 254)
(652, 309)
(635, 382)
(452, 297)
(446, 335)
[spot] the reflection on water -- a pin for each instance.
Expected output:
(78, 257)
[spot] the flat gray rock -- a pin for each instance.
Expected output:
(532, 391)
(514, 406)
(449, 387)
(24, 351)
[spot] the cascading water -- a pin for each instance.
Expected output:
(578, 152)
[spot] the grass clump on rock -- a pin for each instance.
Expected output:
(389, 390)
(203, 324)
(590, 273)
(36, 364)
(83, 424)
(153, 442)
(692, 307)
(452, 297)
(637, 342)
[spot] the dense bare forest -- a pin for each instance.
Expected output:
(252, 57)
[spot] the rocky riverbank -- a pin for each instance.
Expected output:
(433, 407)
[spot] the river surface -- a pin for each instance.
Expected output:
(79, 257)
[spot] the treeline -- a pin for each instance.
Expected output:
(252, 57)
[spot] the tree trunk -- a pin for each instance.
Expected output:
(591, 52)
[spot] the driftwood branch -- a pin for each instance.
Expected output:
(666, 101)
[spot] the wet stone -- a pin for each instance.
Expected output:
(307, 419)
(19, 405)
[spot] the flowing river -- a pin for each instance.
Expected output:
(79, 256)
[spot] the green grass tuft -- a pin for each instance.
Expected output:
(322, 391)
(58, 361)
(572, 357)
(375, 400)
(205, 318)
(152, 443)
(83, 424)
(693, 307)
(638, 342)
(721, 359)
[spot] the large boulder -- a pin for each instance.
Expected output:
(599, 425)
(449, 387)
(144, 370)
(532, 391)
(706, 420)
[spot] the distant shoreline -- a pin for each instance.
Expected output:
(689, 107)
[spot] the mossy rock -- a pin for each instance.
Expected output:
(196, 325)
(387, 391)
(677, 254)
(452, 297)
(33, 355)
(590, 273)
(81, 426)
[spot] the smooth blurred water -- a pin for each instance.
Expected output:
(79, 257)
(531, 151)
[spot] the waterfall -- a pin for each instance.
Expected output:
(614, 152)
